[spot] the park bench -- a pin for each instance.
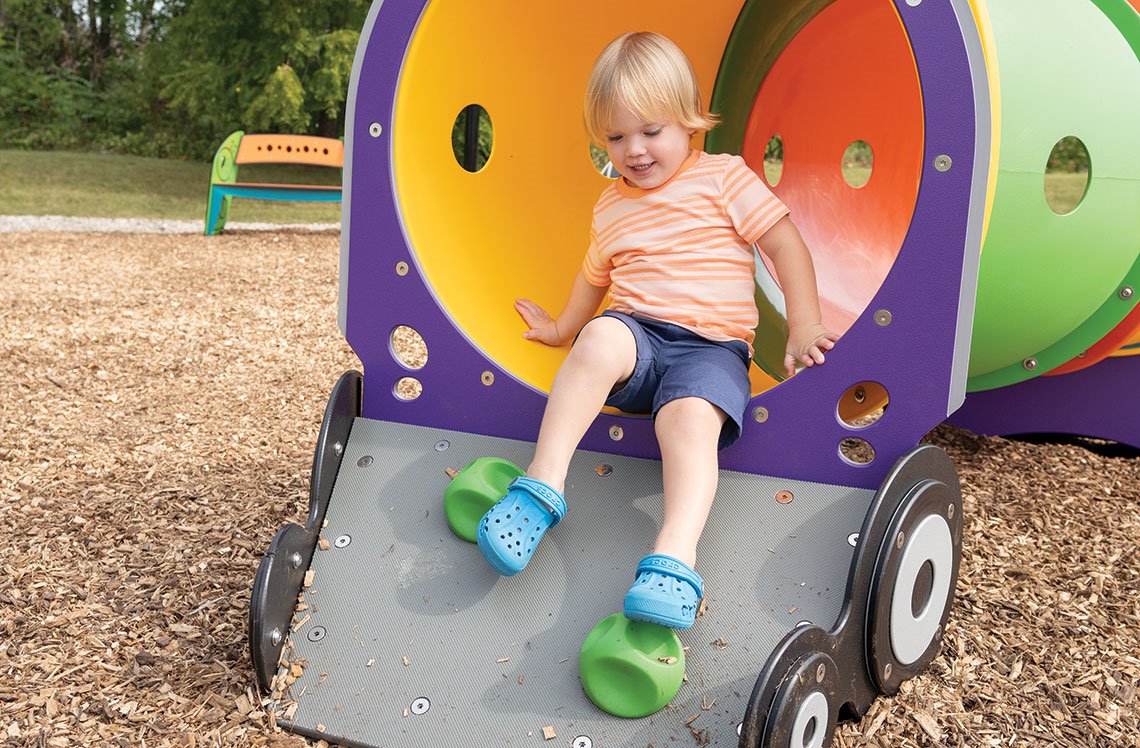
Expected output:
(240, 148)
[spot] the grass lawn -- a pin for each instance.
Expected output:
(114, 186)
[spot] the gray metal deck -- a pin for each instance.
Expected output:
(403, 614)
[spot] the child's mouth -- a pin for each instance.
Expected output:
(640, 169)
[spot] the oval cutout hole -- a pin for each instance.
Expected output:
(1067, 175)
(863, 404)
(774, 160)
(407, 388)
(856, 451)
(858, 163)
(472, 137)
(601, 161)
(408, 347)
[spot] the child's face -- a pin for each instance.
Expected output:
(647, 154)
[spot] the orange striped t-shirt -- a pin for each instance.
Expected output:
(682, 252)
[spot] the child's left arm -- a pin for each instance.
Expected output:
(808, 339)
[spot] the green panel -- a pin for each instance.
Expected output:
(1048, 283)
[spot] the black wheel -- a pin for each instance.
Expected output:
(912, 589)
(804, 712)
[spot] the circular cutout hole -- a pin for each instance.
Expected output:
(407, 388)
(856, 451)
(774, 160)
(408, 347)
(809, 732)
(863, 404)
(472, 137)
(858, 163)
(1067, 175)
(601, 161)
(923, 586)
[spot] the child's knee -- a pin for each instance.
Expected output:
(605, 340)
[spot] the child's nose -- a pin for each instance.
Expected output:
(635, 147)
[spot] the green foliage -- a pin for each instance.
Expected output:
(459, 137)
(280, 107)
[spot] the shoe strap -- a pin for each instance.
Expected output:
(672, 567)
(551, 500)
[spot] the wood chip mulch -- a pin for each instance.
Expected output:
(160, 398)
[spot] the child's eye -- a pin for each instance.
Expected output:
(652, 133)
(613, 138)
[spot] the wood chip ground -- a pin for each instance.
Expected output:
(160, 400)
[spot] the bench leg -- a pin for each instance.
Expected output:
(216, 212)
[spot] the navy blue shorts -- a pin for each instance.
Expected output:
(673, 362)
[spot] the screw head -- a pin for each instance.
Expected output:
(583, 742)
(604, 470)
(316, 634)
(1125, 293)
(276, 637)
(853, 539)
(375, 129)
(950, 510)
(784, 497)
(364, 461)
(442, 445)
(943, 163)
(295, 560)
(820, 672)
(616, 433)
(342, 541)
(900, 540)
(1030, 363)
(887, 671)
(401, 268)
(883, 317)
(487, 378)
(420, 705)
(760, 415)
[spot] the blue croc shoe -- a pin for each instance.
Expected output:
(510, 531)
(667, 592)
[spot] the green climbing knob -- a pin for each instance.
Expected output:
(474, 490)
(631, 668)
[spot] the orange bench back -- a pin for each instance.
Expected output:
(290, 149)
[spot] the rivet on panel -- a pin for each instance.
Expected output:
(487, 378)
(943, 163)
(401, 268)
(883, 317)
(760, 415)
(277, 637)
(442, 445)
(616, 433)
(1030, 363)
(375, 129)
(364, 461)
(784, 497)
(295, 560)
(1125, 293)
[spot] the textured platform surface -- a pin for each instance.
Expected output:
(412, 640)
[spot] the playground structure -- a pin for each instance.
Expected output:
(239, 148)
(830, 572)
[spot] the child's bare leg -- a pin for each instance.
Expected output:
(688, 430)
(603, 355)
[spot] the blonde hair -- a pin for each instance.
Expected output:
(649, 75)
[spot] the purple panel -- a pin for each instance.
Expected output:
(1099, 401)
(911, 357)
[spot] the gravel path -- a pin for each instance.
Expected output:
(9, 224)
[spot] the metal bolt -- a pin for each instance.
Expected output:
(364, 461)
(950, 511)
(616, 433)
(887, 671)
(853, 539)
(938, 632)
(375, 129)
(442, 445)
(943, 163)
(760, 415)
(899, 540)
(883, 317)
(338, 448)
(1030, 363)
(316, 634)
(295, 560)
(784, 497)
(1125, 293)
(583, 742)
(420, 706)
(276, 637)
(401, 268)
(342, 541)
(604, 470)
(487, 378)
(820, 672)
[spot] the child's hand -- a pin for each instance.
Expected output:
(806, 345)
(543, 327)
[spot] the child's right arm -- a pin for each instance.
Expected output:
(580, 308)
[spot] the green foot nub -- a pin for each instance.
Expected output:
(473, 491)
(631, 668)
